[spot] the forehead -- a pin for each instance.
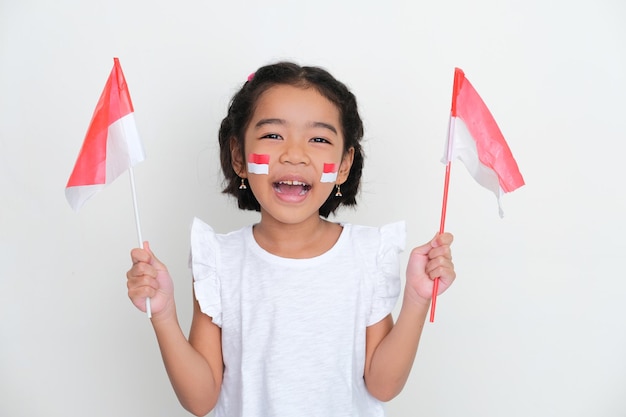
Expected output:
(296, 104)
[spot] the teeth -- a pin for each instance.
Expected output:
(292, 183)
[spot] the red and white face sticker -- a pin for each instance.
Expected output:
(329, 174)
(258, 163)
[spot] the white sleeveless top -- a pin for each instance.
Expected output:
(293, 330)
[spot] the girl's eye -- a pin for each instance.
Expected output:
(272, 136)
(319, 140)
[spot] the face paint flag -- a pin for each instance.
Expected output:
(258, 163)
(111, 146)
(476, 140)
(329, 173)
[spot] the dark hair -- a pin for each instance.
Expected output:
(242, 108)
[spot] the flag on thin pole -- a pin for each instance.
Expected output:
(111, 147)
(477, 141)
(475, 138)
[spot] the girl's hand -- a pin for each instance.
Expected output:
(426, 263)
(148, 277)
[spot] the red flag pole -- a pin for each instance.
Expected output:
(459, 76)
(444, 206)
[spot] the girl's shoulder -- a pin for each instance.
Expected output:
(202, 231)
(209, 251)
(209, 247)
(391, 236)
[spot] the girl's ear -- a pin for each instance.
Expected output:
(346, 164)
(237, 158)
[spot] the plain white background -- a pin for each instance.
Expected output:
(536, 322)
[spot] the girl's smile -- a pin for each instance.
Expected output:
(290, 189)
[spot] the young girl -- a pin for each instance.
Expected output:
(292, 314)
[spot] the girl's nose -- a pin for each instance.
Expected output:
(294, 152)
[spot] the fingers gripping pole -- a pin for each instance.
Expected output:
(138, 224)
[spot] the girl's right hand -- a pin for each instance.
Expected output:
(149, 277)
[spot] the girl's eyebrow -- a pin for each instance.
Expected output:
(264, 122)
(274, 121)
(324, 126)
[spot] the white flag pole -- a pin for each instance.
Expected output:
(138, 224)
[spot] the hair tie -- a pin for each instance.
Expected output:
(251, 76)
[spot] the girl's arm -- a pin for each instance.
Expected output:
(194, 366)
(390, 349)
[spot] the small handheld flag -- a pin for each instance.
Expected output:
(111, 146)
(475, 138)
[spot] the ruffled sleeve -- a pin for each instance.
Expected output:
(204, 266)
(387, 285)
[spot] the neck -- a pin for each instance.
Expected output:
(305, 239)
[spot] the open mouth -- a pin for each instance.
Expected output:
(292, 187)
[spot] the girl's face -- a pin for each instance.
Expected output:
(300, 131)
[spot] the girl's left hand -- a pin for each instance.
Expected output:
(426, 263)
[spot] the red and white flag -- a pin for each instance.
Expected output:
(258, 163)
(476, 140)
(111, 146)
(329, 173)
